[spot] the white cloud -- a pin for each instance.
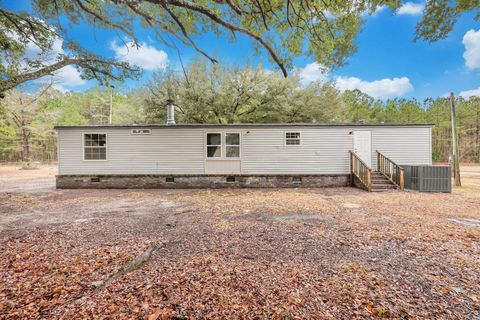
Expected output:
(383, 89)
(64, 79)
(367, 12)
(67, 77)
(146, 57)
(471, 41)
(379, 8)
(470, 93)
(33, 52)
(312, 72)
(411, 8)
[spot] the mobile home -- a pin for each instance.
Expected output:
(237, 155)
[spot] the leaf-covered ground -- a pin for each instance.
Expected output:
(282, 254)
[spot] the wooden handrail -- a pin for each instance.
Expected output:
(361, 170)
(391, 170)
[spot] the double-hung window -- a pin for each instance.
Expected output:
(223, 145)
(214, 145)
(292, 138)
(95, 146)
(232, 145)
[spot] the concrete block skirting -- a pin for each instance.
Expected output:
(137, 181)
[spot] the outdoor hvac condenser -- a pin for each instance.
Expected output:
(428, 178)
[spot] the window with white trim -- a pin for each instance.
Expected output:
(141, 131)
(94, 146)
(292, 138)
(232, 145)
(214, 145)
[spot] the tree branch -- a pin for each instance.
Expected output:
(213, 16)
(86, 63)
(185, 34)
(106, 21)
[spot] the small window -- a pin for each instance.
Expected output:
(169, 179)
(292, 138)
(95, 146)
(140, 131)
(214, 145)
(232, 145)
(230, 179)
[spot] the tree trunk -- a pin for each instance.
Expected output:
(455, 151)
(25, 144)
(478, 133)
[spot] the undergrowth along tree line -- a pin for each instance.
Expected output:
(219, 93)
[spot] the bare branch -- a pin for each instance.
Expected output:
(185, 34)
(105, 21)
(213, 16)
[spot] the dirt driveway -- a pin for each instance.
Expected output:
(289, 253)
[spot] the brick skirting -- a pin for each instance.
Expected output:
(200, 181)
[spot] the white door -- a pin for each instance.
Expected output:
(362, 146)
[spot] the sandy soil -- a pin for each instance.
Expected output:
(289, 253)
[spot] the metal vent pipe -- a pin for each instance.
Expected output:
(170, 112)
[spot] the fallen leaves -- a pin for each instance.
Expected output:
(275, 254)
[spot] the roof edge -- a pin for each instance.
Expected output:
(244, 125)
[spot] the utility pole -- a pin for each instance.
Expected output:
(455, 153)
(111, 105)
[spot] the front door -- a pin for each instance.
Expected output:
(362, 146)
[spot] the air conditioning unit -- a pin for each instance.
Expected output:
(426, 178)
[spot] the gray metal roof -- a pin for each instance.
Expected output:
(243, 125)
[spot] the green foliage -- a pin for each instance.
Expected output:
(217, 93)
(440, 16)
(322, 30)
(212, 93)
(20, 31)
(437, 155)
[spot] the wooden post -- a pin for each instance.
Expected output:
(455, 153)
(369, 179)
(402, 181)
(378, 160)
(351, 170)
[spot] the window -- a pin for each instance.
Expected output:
(232, 145)
(223, 145)
(141, 131)
(214, 145)
(95, 146)
(292, 138)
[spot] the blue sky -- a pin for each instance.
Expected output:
(387, 64)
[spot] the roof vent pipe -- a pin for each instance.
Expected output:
(170, 112)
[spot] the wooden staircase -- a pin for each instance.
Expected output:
(381, 183)
(389, 176)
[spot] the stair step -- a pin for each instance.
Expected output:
(384, 186)
(382, 190)
(382, 182)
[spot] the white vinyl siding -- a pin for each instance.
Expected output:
(323, 150)
(164, 151)
(405, 146)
